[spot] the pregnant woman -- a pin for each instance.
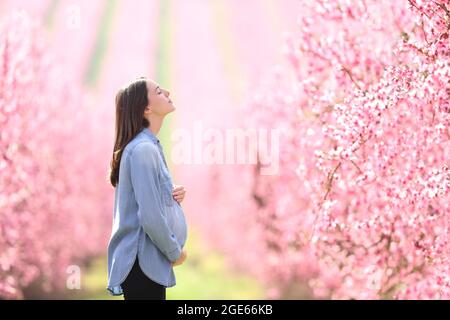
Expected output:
(149, 228)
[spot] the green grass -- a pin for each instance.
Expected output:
(163, 65)
(101, 44)
(49, 15)
(203, 275)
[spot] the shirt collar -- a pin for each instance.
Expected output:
(150, 134)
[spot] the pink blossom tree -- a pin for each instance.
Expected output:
(53, 210)
(360, 206)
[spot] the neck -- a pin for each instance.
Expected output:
(155, 124)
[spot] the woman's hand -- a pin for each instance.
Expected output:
(181, 259)
(178, 193)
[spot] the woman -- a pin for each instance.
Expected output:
(149, 228)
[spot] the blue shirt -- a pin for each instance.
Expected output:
(147, 221)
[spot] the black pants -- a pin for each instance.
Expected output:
(137, 286)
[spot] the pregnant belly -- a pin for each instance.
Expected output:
(177, 221)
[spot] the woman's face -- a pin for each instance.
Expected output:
(160, 103)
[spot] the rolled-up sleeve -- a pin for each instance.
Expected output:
(144, 168)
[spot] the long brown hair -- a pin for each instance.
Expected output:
(131, 102)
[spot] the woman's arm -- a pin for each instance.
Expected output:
(144, 168)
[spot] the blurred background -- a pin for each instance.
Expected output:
(356, 92)
(207, 53)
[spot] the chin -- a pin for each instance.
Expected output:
(169, 111)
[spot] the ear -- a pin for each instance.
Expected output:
(148, 110)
